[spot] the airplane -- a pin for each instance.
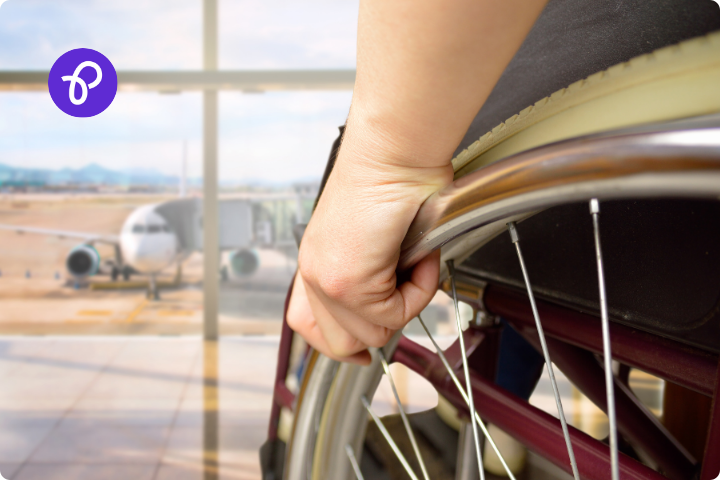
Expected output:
(154, 236)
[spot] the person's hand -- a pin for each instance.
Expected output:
(424, 69)
(346, 297)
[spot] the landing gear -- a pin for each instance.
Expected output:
(178, 274)
(114, 273)
(152, 293)
(126, 273)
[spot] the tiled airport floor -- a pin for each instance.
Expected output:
(175, 408)
(132, 407)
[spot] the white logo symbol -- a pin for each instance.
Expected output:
(718, 2)
(1, 477)
(74, 78)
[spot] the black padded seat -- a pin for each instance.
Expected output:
(572, 39)
(662, 264)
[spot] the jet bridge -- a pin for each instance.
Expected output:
(237, 225)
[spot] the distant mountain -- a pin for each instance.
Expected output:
(95, 175)
(91, 174)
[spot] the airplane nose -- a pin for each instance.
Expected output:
(137, 254)
(145, 256)
(149, 254)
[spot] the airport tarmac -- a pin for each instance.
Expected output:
(38, 298)
(47, 306)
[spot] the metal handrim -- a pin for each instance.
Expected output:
(440, 228)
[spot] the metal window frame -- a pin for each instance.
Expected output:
(210, 80)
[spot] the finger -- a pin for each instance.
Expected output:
(316, 339)
(422, 287)
(404, 304)
(300, 318)
(354, 317)
(341, 342)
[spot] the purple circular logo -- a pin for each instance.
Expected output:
(82, 82)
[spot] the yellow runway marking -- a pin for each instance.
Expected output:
(137, 311)
(175, 313)
(94, 313)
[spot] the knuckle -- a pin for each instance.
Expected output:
(328, 276)
(305, 266)
(294, 322)
(391, 323)
(335, 287)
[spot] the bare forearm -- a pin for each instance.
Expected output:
(425, 67)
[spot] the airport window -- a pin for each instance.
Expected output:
(282, 34)
(139, 144)
(133, 34)
(89, 175)
(278, 139)
(87, 180)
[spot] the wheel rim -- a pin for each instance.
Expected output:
(668, 163)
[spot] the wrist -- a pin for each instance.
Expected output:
(375, 171)
(390, 140)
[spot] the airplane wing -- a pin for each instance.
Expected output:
(268, 197)
(88, 237)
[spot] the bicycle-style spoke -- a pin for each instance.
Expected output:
(465, 466)
(389, 439)
(466, 370)
(461, 389)
(405, 421)
(353, 462)
(548, 363)
(607, 351)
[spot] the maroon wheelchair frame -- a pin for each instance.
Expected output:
(574, 340)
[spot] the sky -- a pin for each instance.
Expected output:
(272, 137)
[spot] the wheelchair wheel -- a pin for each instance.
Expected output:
(649, 185)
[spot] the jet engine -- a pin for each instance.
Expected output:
(83, 261)
(244, 262)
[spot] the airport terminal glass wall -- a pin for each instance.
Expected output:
(75, 189)
(70, 185)
(72, 188)
(90, 388)
(273, 149)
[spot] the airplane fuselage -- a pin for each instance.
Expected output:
(147, 243)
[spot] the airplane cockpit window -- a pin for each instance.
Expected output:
(155, 228)
(138, 228)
